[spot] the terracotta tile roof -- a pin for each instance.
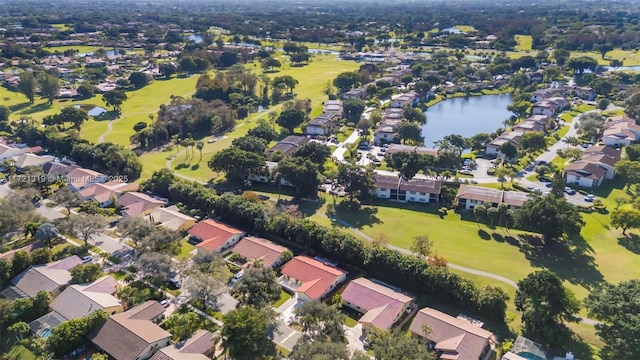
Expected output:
(136, 203)
(315, 276)
(48, 277)
(382, 305)
(457, 338)
(258, 248)
(212, 234)
(124, 336)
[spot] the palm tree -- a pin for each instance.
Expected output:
(30, 229)
(200, 146)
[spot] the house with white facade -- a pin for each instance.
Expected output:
(585, 174)
(398, 189)
(469, 197)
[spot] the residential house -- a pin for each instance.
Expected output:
(198, 346)
(171, 218)
(604, 149)
(585, 174)
(258, 249)
(470, 196)
(80, 300)
(79, 178)
(138, 204)
(321, 125)
(528, 126)
(402, 190)
(41, 327)
(385, 131)
(357, 93)
(311, 279)
(26, 160)
(92, 62)
(396, 148)
(105, 193)
(333, 107)
(620, 131)
(380, 305)
(493, 147)
(288, 145)
(453, 338)
(8, 152)
(407, 99)
(523, 349)
(57, 169)
(549, 107)
(133, 334)
(214, 236)
(264, 174)
(602, 160)
(52, 277)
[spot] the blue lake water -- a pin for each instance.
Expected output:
(465, 116)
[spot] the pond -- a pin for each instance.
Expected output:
(465, 116)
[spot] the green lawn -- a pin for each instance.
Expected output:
(465, 28)
(137, 108)
(16, 351)
(312, 80)
(628, 57)
(284, 296)
(185, 250)
(61, 27)
(524, 42)
(563, 131)
(80, 48)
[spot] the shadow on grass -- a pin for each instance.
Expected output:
(18, 107)
(36, 109)
(195, 166)
(630, 242)
(353, 213)
(484, 235)
(580, 348)
(573, 262)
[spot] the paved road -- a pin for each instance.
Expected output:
(338, 154)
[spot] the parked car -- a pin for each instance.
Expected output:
(569, 191)
(164, 303)
(589, 198)
(548, 184)
(237, 277)
(87, 259)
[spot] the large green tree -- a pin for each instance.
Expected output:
(244, 334)
(320, 322)
(357, 180)
(314, 151)
(114, 98)
(258, 287)
(49, 86)
(629, 171)
(533, 141)
(618, 310)
(347, 80)
(398, 345)
(625, 219)
(301, 173)
(305, 350)
(290, 118)
(28, 85)
(236, 163)
(551, 215)
(353, 109)
(546, 304)
(410, 132)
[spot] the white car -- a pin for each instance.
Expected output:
(87, 259)
(237, 277)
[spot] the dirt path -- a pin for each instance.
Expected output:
(109, 129)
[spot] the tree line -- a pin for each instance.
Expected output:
(409, 272)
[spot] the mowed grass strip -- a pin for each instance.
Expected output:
(524, 42)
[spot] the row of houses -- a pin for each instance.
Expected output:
(126, 335)
(620, 131)
(539, 123)
(332, 111)
(382, 306)
(557, 90)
